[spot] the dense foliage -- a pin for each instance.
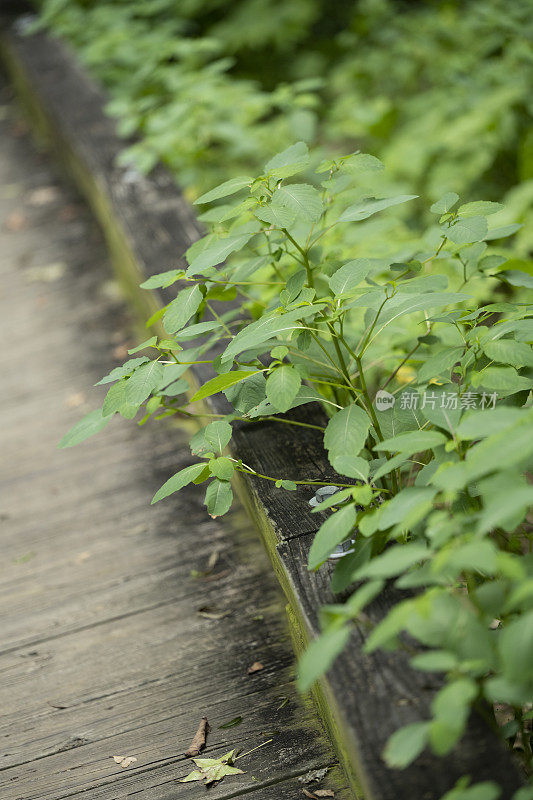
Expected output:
(440, 91)
(412, 329)
(430, 420)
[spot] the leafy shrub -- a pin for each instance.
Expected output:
(427, 392)
(440, 91)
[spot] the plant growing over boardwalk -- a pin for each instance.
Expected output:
(427, 391)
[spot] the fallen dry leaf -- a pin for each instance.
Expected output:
(313, 776)
(124, 761)
(318, 793)
(211, 612)
(198, 743)
(213, 560)
(15, 221)
(256, 667)
(212, 770)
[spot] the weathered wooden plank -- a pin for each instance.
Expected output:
(360, 720)
(102, 649)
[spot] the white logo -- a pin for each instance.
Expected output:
(384, 400)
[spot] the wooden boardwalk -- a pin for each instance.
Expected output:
(105, 645)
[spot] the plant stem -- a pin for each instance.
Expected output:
(246, 419)
(250, 471)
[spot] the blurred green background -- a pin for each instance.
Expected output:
(440, 91)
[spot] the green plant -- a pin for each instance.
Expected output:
(439, 91)
(427, 392)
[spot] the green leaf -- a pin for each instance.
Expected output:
(218, 498)
(502, 232)
(349, 276)
(143, 381)
(92, 423)
(178, 481)
(116, 399)
(192, 331)
(222, 382)
(362, 597)
(394, 561)
(435, 661)
(361, 162)
(279, 352)
(488, 421)
(217, 252)
(151, 342)
(266, 328)
(451, 708)
(289, 486)
(424, 302)
(162, 279)
(486, 790)
(231, 724)
(320, 655)
(367, 208)
(180, 310)
(218, 434)
(346, 432)
(439, 365)
(282, 387)
(483, 208)
(466, 231)
(516, 649)
(352, 467)
(121, 372)
(332, 532)
(506, 507)
(170, 373)
(301, 199)
(442, 407)
(480, 556)
(155, 317)
(491, 262)
(222, 468)
(516, 277)
(292, 160)
(413, 442)
(279, 216)
(508, 351)
(225, 189)
(503, 379)
(406, 744)
(406, 508)
(392, 463)
(446, 202)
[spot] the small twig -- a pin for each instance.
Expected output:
(254, 749)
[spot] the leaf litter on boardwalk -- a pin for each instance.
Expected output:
(124, 761)
(199, 740)
(212, 770)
